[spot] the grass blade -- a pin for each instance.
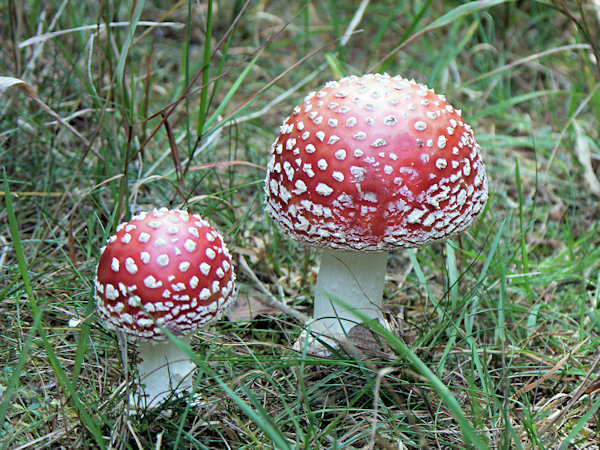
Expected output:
(14, 379)
(256, 412)
(230, 93)
(446, 19)
(18, 248)
(35, 312)
(469, 433)
(578, 426)
(204, 104)
(124, 55)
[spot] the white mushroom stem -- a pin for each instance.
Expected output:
(356, 278)
(164, 369)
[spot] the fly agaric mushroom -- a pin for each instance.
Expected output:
(366, 165)
(166, 268)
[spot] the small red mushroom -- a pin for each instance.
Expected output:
(366, 165)
(167, 268)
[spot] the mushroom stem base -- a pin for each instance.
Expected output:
(163, 369)
(356, 278)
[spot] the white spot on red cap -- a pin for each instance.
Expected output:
(145, 322)
(461, 197)
(162, 260)
(151, 282)
(289, 170)
(323, 189)
(178, 287)
(358, 173)
(307, 169)
(130, 265)
(110, 292)
(420, 125)
(190, 245)
(441, 163)
(145, 257)
(123, 289)
(415, 215)
(390, 120)
(300, 187)
(441, 142)
(205, 268)
(467, 167)
(370, 197)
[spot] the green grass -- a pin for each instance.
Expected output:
(496, 332)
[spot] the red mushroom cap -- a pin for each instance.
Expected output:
(374, 163)
(168, 264)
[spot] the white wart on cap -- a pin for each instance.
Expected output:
(168, 264)
(375, 163)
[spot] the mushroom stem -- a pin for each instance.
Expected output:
(163, 369)
(357, 278)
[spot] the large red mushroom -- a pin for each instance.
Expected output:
(165, 269)
(366, 165)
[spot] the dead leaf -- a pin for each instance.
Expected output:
(247, 308)
(535, 384)
(6, 82)
(593, 387)
(583, 152)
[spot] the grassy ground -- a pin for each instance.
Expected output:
(498, 332)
